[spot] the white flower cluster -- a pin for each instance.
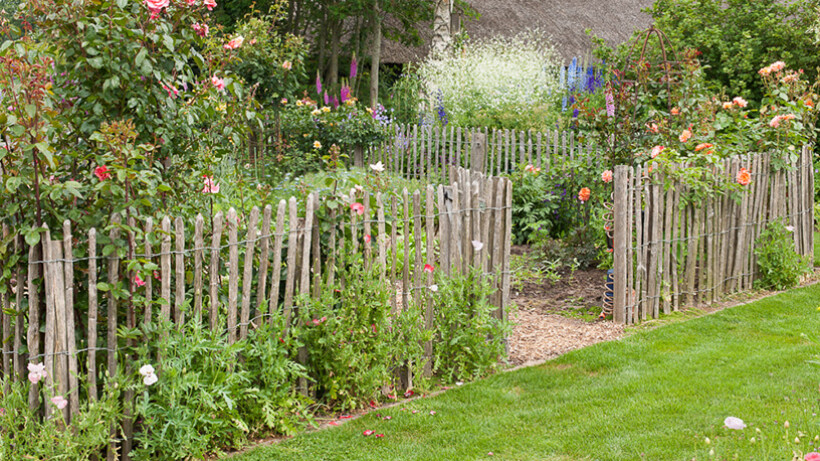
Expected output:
(521, 71)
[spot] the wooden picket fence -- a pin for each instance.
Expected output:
(431, 152)
(282, 259)
(670, 255)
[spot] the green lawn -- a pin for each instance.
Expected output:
(656, 395)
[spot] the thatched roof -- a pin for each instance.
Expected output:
(564, 20)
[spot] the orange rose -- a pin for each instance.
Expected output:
(685, 135)
(744, 177)
(584, 194)
(705, 145)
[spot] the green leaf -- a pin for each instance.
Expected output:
(143, 53)
(96, 63)
(168, 41)
(32, 236)
(31, 110)
(102, 286)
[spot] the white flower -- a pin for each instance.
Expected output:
(434, 288)
(377, 167)
(790, 228)
(707, 441)
(358, 188)
(734, 423)
(477, 246)
(149, 379)
(146, 370)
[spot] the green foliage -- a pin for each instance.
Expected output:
(356, 343)
(23, 435)
(779, 264)
(738, 37)
(470, 335)
(206, 399)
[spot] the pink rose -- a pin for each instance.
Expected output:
(740, 102)
(102, 173)
(210, 4)
(218, 83)
(656, 151)
(606, 176)
(235, 43)
(210, 186)
(157, 5)
(685, 135)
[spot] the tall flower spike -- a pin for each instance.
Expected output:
(319, 85)
(354, 67)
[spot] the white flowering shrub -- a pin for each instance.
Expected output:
(503, 82)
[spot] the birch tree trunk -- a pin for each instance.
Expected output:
(441, 27)
(375, 56)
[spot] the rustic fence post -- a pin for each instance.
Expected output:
(479, 152)
(621, 241)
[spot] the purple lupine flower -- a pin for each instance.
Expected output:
(318, 83)
(354, 67)
(345, 93)
(327, 99)
(575, 113)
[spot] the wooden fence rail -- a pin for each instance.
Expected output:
(669, 254)
(427, 152)
(296, 251)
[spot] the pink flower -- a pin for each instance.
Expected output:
(354, 67)
(235, 43)
(685, 135)
(138, 281)
(775, 122)
(218, 83)
(287, 65)
(36, 372)
(59, 402)
(652, 128)
(201, 29)
(610, 104)
(211, 4)
(367, 433)
(740, 102)
(429, 268)
(813, 456)
(191, 2)
(102, 173)
(656, 151)
(378, 436)
(777, 66)
(210, 186)
(367, 238)
(358, 208)
(744, 177)
(432, 412)
(532, 169)
(606, 176)
(155, 6)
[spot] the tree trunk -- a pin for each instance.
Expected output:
(441, 27)
(375, 56)
(335, 45)
(321, 41)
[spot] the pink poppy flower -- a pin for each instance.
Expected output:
(138, 281)
(36, 372)
(606, 176)
(429, 268)
(357, 207)
(59, 401)
(218, 83)
(210, 4)
(102, 173)
(210, 186)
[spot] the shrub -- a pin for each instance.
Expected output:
(206, 399)
(470, 335)
(355, 342)
(509, 80)
(779, 264)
